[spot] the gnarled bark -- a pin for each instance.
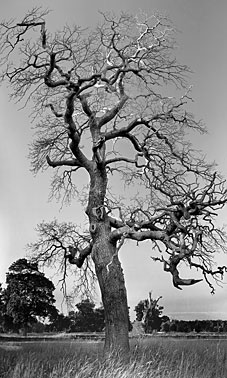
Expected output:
(112, 285)
(107, 265)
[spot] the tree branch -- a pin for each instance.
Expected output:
(177, 281)
(130, 233)
(119, 159)
(59, 163)
(47, 77)
(110, 114)
(82, 254)
(85, 106)
(73, 132)
(123, 131)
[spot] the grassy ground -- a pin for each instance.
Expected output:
(155, 358)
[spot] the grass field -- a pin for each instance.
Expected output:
(156, 358)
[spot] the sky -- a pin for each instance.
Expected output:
(24, 198)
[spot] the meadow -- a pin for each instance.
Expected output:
(153, 357)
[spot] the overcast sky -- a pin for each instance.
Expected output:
(24, 198)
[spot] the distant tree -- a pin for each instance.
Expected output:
(173, 325)
(165, 327)
(149, 312)
(59, 322)
(38, 327)
(139, 309)
(87, 318)
(165, 318)
(218, 326)
(197, 326)
(225, 326)
(112, 102)
(28, 294)
(183, 326)
(85, 321)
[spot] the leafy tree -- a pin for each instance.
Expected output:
(59, 322)
(106, 102)
(28, 294)
(149, 311)
(183, 326)
(87, 318)
(165, 326)
(139, 309)
(6, 321)
(173, 326)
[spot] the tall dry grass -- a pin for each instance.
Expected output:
(153, 358)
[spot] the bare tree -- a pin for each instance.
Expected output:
(101, 103)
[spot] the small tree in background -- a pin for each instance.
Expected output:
(84, 317)
(28, 294)
(150, 313)
(87, 318)
(105, 102)
(59, 323)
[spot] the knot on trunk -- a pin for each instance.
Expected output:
(98, 212)
(92, 228)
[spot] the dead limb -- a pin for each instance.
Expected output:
(77, 256)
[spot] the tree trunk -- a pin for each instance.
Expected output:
(114, 297)
(24, 329)
(107, 265)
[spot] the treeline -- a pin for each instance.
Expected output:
(86, 318)
(150, 314)
(187, 326)
(27, 304)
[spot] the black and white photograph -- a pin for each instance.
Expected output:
(113, 195)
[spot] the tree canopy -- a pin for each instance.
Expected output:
(87, 318)
(28, 294)
(114, 102)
